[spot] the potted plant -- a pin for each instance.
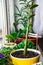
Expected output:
(5, 56)
(25, 56)
(11, 40)
(22, 16)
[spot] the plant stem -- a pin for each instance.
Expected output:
(25, 47)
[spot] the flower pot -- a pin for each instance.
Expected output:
(25, 61)
(11, 44)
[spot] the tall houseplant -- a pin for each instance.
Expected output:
(25, 16)
(29, 6)
(20, 57)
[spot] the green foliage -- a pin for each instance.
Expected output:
(31, 15)
(2, 61)
(7, 60)
(22, 0)
(12, 36)
(9, 36)
(22, 44)
(25, 13)
(33, 6)
(5, 51)
(20, 33)
(24, 16)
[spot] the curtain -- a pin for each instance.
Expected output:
(9, 14)
(38, 19)
(3, 21)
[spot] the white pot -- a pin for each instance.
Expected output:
(11, 44)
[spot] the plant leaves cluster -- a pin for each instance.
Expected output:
(6, 60)
(2, 61)
(5, 50)
(14, 35)
(22, 44)
(24, 13)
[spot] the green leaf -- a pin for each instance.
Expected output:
(15, 26)
(20, 19)
(9, 36)
(31, 15)
(14, 34)
(24, 30)
(33, 6)
(5, 50)
(17, 8)
(17, 14)
(22, 0)
(20, 33)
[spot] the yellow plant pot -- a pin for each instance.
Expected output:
(25, 61)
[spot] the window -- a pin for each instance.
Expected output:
(6, 18)
(3, 21)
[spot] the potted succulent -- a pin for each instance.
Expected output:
(22, 16)
(25, 56)
(11, 40)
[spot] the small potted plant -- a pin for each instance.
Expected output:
(5, 56)
(25, 56)
(11, 40)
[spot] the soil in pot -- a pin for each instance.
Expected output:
(19, 54)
